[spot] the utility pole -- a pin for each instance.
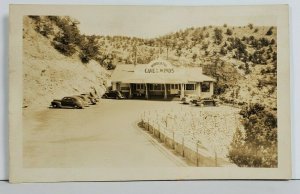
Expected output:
(167, 52)
(134, 54)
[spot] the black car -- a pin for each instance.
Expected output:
(113, 95)
(69, 101)
(205, 102)
(91, 99)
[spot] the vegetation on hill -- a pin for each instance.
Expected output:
(243, 59)
(52, 74)
(257, 146)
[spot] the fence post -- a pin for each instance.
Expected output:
(197, 150)
(158, 126)
(148, 128)
(182, 146)
(216, 159)
(173, 143)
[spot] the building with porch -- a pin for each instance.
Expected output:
(161, 79)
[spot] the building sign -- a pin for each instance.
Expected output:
(159, 67)
(159, 70)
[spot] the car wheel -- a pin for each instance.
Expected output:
(105, 96)
(117, 97)
(54, 105)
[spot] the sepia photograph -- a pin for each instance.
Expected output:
(153, 89)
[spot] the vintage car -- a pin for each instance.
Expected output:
(84, 99)
(91, 100)
(188, 98)
(205, 102)
(113, 95)
(68, 102)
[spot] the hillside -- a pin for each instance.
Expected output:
(48, 74)
(243, 59)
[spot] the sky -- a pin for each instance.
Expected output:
(150, 22)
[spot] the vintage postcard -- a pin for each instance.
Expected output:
(114, 93)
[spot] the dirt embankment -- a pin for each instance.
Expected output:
(47, 74)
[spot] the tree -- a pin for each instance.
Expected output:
(270, 31)
(250, 26)
(229, 32)
(258, 147)
(218, 37)
(89, 48)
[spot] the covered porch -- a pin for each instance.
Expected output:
(165, 90)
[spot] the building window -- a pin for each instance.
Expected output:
(205, 87)
(139, 86)
(150, 87)
(125, 88)
(175, 86)
(157, 87)
(190, 86)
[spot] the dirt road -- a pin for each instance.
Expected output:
(104, 135)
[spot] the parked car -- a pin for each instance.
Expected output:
(84, 99)
(205, 102)
(68, 101)
(113, 95)
(92, 100)
(188, 98)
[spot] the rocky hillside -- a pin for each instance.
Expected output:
(49, 74)
(243, 59)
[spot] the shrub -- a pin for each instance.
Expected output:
(65, 49)
(270, 31)
(250, 26)
(218, 37)
(229, 32)
(44, 29)
(258, 146)
(223, 51)
(35, 17)
(84, 58)
(89, 49)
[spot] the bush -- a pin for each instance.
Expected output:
(35, 18)
(89, 48)
(218, 37)
(65, 49)
(229, 32)
(44, 29)
(250, 26)
(257, 147)
(270, 31)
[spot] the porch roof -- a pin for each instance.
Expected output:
(136, 74)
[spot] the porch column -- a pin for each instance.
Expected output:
(114, 86)
(199, 88)
(211, 88)
(146, 88)
(166, 95)
(130, 91)
(182, 91)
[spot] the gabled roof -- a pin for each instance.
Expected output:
(195, 74)
(122, 72)
(136, 74)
